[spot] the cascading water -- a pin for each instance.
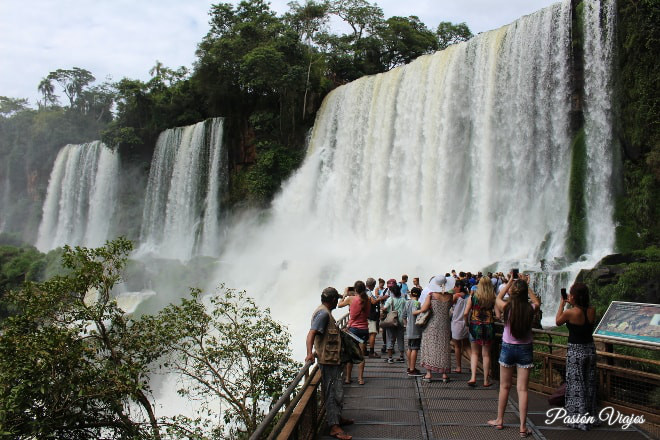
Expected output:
(5, 200)
(81, 197)
(457, 160)
(182, 206)
(599, 23)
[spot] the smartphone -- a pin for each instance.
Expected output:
(515, 273)
(563, 293)
(351, 289)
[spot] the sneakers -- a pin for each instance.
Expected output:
(401, 360)
(383, 350)
(415, 372)
(389, 360)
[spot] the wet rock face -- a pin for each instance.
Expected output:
(633, 277)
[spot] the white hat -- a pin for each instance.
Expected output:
(437, 283)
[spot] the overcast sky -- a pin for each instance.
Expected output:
(124, 38)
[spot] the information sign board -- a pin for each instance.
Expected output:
(627, 321)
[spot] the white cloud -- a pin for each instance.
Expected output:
(124, 38)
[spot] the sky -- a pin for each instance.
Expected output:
(114, 39)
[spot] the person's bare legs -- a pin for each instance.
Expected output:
(506, 374)
(361, 365)
(372, 342)
(412, 359)
(457, 353)
(474, 361)
(485, 355)
(348, 371)
(521, 387)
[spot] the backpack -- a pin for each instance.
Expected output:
(374, 310)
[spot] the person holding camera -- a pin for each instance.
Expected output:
(517, 349)
(581, 388)
(478, 315)
(358, 314)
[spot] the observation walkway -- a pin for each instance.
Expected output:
(391, 405)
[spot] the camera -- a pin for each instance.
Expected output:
(515, 273)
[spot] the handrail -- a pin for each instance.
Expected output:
(281, 402)
(286, 396)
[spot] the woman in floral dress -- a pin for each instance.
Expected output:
(436, 351)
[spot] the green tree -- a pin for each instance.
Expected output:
(360, 15)
(72, 81)
(229, 348)
(47, 89)
(307, 20)
(404, 39)
(11, 106)
(71, 365)
(449, 33)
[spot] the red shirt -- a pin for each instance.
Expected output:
(357, 315)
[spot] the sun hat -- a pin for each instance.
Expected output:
(391, 282)
(437, 284)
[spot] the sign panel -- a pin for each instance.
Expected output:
(628, 321)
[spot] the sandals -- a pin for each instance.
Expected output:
(341, 435)
(472, 384)
(360, 381)
(445, 379)
(525, 434)
(492, 423)
(489, 384)
(348, 382)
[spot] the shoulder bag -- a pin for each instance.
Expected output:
(423, 318)
(391, 320)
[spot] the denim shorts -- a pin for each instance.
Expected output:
(517, 355)
(361, 333)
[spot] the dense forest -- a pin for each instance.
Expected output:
(267, 76)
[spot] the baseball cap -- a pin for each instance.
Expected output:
(329, 294)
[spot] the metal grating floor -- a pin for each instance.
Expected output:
(392, 405)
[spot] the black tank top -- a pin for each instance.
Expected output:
(581, 334)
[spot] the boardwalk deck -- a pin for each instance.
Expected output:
(392, 405)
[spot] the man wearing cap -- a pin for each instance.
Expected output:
(325, 338)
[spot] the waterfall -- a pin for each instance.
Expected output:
(599, 25)
(5, 205)
(81, 197)
(182, 206)
(459, 160)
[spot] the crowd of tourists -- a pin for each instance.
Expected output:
(451, 314)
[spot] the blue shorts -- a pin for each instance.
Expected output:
(517, 355)
(361, 333)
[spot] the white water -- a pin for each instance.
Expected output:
(459, 160)
(599, 37)
(81, 197)
(182, 206)
(5, 200)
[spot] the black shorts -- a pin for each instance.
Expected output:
(414, 344)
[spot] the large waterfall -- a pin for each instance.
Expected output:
(188, 173)
(459, 160)
(81, 197)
